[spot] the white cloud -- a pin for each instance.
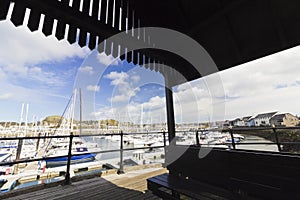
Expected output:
(124, 87)
(135, 78)
(94, 88)
(105, 113)
(124, 96)
(155, 103)
(119, 98)
(107, 60)
(45, 77)
(118, 78)
(2, 75)
(6, 96)
(86, 69)
(21, 48)
(266, 74)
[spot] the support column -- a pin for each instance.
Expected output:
(170, 109)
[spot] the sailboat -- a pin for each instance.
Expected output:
(6, 169)
(59, 147)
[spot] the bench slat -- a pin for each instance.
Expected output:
(188, 187)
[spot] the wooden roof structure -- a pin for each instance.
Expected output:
(232, 31)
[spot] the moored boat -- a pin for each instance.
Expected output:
(84, 156)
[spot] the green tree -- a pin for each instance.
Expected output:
(53, 119)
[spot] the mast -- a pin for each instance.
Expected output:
(26, 118)
(21, 116)
(80, 102)
(73, 109)
(142, 108)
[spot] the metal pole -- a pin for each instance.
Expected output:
(38, 142)
(67, 177)
(19, 149)
(121, 170)
(197, 138)
(165, 142)
(277, 140)
(232, 138)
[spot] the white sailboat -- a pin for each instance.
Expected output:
(59, 146)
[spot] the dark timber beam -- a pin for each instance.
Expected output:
(214, 17)
(170, 108)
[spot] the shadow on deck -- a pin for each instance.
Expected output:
(131, 185)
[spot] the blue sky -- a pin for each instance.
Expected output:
(43, 72)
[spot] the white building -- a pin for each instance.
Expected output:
(263, 119)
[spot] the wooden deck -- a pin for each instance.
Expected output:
(131, 185)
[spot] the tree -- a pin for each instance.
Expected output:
(54, 120)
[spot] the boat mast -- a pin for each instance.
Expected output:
(21, 117)
(26, 119)
(142, 109)
(80, 107)
(73, 109)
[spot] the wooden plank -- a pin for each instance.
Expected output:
(127, 186)
(17, 16)
(60, 30)
(108, 47)
(135, 57)
(124, 14)
(61, 25)
(48, 25)
(72, 34)
(117, 13)
(103, 11)
(95, 9)
(92, 41)
(72, 28)
(110, 12)
(82, 38)
(4, 7)
(34, 20)
(115, 52)
(86, 7)
(129, 57)
(188, 187)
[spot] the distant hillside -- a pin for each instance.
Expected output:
(55, 119)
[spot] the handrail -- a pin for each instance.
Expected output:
(231, 131)
(71, 136)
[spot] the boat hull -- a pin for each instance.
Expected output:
(75, 159)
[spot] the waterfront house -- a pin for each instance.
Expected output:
(263, 119)
(246, 120)
(226, 124)
(285, 119)
(241, 121)
(238, 122)
(251, 122)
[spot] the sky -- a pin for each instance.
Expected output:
(43, 72)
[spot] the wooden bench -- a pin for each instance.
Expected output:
(228, 174)
(169, 186)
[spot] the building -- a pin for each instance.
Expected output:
(263, 119)
(246, 120)
(285, 119)
(238, 122)
(251, 122)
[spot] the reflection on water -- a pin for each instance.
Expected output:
(42, 181)
(108, 144)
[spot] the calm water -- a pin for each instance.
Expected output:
(108, 144)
